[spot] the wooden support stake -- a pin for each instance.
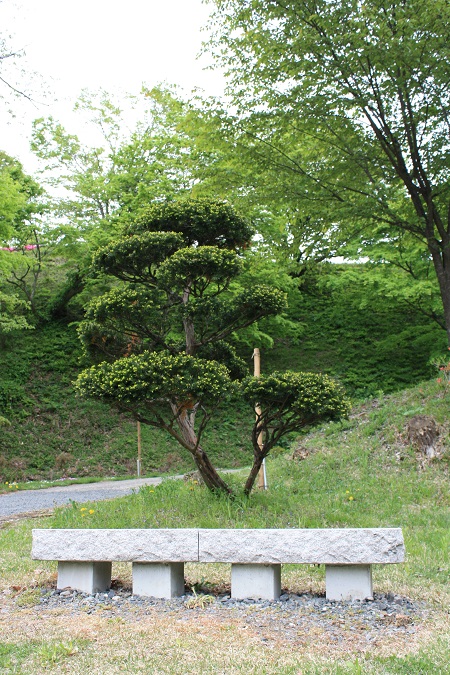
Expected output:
(262, 478)
(139, 450)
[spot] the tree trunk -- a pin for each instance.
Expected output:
(185, 420)
(75, 284)
(260, 451)
(252, 476)
(188, 324)
(210, 476)
(440, 253)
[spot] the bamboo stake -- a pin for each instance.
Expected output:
(262, 477)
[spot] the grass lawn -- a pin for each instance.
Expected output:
(358, 473)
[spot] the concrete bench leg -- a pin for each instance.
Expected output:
(256, 581)
(87, 577)
(348, 582)
(158, 580)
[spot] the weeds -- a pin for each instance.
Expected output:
(199, 601)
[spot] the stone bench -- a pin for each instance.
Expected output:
(158, 557)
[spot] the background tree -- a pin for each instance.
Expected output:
(34, 245)
(17, 79)
(167, 329)
(22, 205)
(126, 165)
(9, 68)
(351, 106)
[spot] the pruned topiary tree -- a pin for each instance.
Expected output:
(161, 335)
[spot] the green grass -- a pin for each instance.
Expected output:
(358, 473)
(13, 655)
(33, 656)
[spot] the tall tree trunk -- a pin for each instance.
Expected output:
(440, 253)
(188, 324)
(210, 476)
(74, 285)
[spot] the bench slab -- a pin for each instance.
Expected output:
(169, 545)
(316, 546)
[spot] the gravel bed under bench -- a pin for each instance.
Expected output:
(288, 618)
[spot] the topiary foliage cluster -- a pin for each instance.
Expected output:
(163, 330)
(307, 396)
(146, 383)
(201, 222)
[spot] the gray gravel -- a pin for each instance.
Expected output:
(31, 501)
(382, 615)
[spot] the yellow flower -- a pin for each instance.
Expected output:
(347, 492)
(83, 509)
(91, 511)
(350, 499)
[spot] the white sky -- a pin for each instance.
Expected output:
(116, 45)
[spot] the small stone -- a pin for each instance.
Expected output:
(65, 594)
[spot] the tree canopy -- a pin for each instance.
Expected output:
(348, 103)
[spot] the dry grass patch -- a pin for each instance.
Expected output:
(181, 641)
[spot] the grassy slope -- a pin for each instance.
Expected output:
(54, 434)
(358, 473)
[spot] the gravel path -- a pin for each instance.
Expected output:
(25, 502)
(31, 501)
